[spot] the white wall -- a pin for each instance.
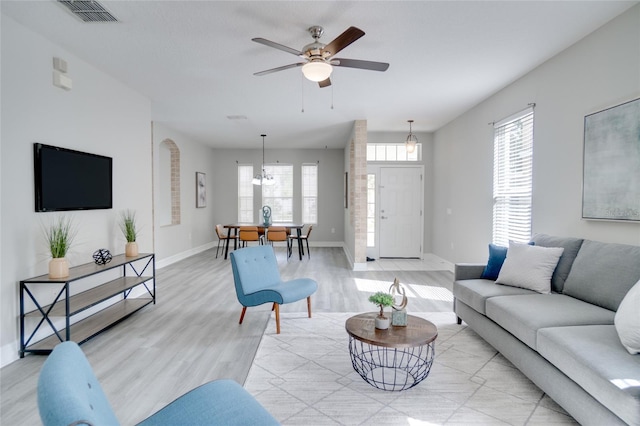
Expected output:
(100, 115)
(330, 180)
(196, 231)
(600, 71)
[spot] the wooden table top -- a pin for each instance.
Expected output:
(417, 332)
(261, 225)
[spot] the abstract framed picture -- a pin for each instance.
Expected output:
(201, 190)
(611, 163)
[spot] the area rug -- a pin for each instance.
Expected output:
(304, 376)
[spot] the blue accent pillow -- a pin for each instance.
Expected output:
(497, 255)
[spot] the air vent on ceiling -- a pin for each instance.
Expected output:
(88, 10)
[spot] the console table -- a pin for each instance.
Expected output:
(394, 359)
(72, 297)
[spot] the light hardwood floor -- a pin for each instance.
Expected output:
(192, 335)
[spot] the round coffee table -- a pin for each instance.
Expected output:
(394, 359)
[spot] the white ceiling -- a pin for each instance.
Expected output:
(195, 60)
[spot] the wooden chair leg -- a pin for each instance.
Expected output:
(277, 308)
(308, 252)
(309, 305)
(244, 309)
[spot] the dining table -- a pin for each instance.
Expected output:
(232, 232)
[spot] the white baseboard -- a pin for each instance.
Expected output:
(183, 255)
(9, 354)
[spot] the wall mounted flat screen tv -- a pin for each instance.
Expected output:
(71, 180)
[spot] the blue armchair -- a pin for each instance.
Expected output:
(257, 280)
(70, 394)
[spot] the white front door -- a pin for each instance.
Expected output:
(400, 213)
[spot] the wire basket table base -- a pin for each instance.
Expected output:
(391, 369)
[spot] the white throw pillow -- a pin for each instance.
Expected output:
(529, 267)
(627, 320)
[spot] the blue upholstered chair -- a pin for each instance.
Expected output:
(257, 280)
(70, 394)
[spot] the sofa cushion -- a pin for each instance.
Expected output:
(627, 320)
(497, 255)
(603, 273)
(525, 314)
(529, 267)
(571, 247)
(593, 357)
(476, 292)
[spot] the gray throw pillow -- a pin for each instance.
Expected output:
(571, 247)
(603, 273)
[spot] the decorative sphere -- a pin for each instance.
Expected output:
(101, 256)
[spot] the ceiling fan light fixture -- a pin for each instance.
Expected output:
(317, 70)
(411, 141)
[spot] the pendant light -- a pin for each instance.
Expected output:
(411, 141)
(264, 178)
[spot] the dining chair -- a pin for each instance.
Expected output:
(222, 238)
(302, 239)
(277, 233)
(249, 233)
(257, 281)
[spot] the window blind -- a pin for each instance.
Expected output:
(512, 178)
(310, 193)
(279, 196)
(245, 193)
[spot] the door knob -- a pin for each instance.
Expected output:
(383, 217)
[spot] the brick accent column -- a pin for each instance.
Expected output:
(358, 190)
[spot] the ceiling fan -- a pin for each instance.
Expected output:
(319, 57)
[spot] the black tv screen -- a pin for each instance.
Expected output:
(71, 180)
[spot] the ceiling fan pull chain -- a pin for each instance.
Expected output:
(302, 91)
(332, 96)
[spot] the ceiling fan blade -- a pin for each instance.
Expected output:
(277, 46)
(343, 40)
(285, 67)
(356, 63)
(325, 83)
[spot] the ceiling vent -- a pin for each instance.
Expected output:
(88, 10)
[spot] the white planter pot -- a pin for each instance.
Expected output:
(131, 249)
(382, 323)
(58, 268)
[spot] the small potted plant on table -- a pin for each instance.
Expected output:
(59, 235)
(128, 227)
(383, 300)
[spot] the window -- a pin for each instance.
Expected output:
(245, 193)
(310, 193)
(392, 152)
(279, 196)
(371, 210)
(512, 178)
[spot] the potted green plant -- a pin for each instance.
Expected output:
(59, 235)
(383, 300)
(128, 227)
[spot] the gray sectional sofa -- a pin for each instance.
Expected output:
(566, 341)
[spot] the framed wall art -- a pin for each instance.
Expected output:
(201, 190)
(611, 166)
